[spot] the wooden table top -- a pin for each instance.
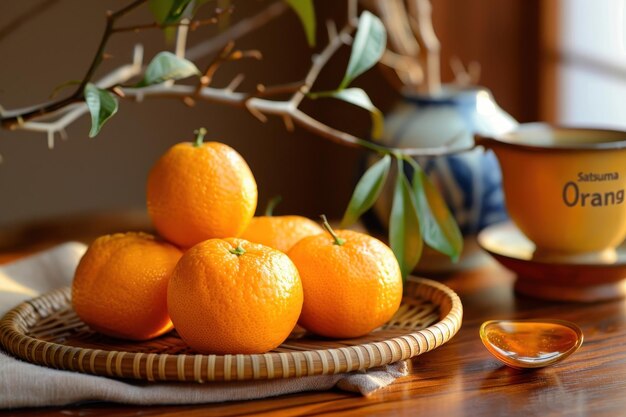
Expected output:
(459, 378)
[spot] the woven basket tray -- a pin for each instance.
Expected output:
(46, 331)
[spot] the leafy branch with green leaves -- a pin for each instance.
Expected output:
(418, 212)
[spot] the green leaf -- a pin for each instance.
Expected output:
(404, 228)
(367, 48)
(306, 12)
(177, 10)
(358, 97)
(160, 9)
(102, 105)
(223, 20)
(367, 191)
(439, 229)
(168, 11)
(167, 66)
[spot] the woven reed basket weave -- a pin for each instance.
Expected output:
(46, 331)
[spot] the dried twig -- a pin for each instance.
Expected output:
(403, 49)
(261, 108)
(18, 118)
(210, 70)
(407, 68)
(237, 31)
(463, 76)
(68, 114)
(108, 31)
(421, 21)
(319, 61)
(191, 24)
(256, 102)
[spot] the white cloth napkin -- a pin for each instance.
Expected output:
(26, 385)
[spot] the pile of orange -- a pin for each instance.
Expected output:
(229, 282)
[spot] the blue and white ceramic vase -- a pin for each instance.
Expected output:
(470, 181)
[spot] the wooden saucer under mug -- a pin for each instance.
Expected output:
(577, 280)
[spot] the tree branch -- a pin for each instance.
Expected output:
(421, 21)
(16, 119)
(238, 30)
(282, 109)
(334, 43)
(108, 31)
(73, 111)
(13, 121)
(191, 24)
(255, 102)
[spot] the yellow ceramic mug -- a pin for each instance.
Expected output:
(564, 188)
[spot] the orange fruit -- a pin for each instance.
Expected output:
(280, 232)
(230, 296)
(120, 285)
(352, 283)
(198, 191)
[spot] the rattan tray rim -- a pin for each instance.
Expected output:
(202, 368)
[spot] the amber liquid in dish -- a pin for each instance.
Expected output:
(530, 344)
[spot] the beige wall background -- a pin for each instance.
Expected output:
(108, 173)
